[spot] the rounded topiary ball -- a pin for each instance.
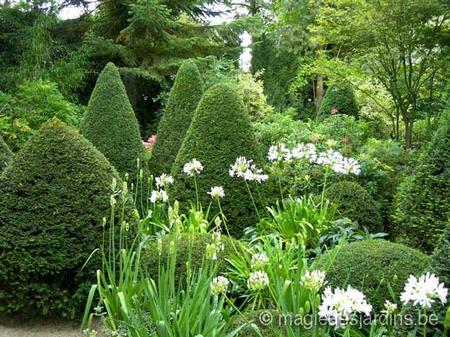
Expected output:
(355, 203)
(372, 266)
(339, 99)
(53, 196)
(188, 246)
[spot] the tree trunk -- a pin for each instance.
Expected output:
(319, 91)
(408, 133)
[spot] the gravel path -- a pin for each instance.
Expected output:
(13, 327)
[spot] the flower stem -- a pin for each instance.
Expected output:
(253, 200)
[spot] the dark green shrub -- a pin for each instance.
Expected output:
(219, 133)
(184, 97)
(255, 318)
(422, 200)
(5, 154)
(110, 124)
(355, 202)
(440, 261)
(372, 266)
(188, 247)
(53, 196)
(339, 99)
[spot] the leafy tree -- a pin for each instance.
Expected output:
(54, 195)
(220, 132)
(110, 124)
(184, 97)
(421, 204)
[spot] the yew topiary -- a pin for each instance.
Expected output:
(5, 154)
(53, 196)
(183, 100)
(339, 99)
(110, 123)
(220, 132)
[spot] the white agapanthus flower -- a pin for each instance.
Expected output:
(424, 291)
(313, 280)
(194, 167)
(219, 285)
(279, 153)
(164, 180)
(338, 163)
(216, 192)
(389, 307)
(159, 195)
(257, 280)
(259, 261)
(305, 151)
(338, 307)
(244, 168)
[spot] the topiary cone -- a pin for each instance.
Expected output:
(110, 123)
(220, 132)
(183, 100)
(5, 154)
(53, 196)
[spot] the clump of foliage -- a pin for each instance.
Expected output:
(250, 323)
(354, 202)
(375, 266)
(34, 103)
(339, 99)
(219, 133)
(54, 195)
(439, 262)
(421, 203)
(190, 248)
(5, 154)
(251, 90)
(110, 124)
(183, 100)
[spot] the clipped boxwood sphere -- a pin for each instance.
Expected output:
(219, 133)
(187, 245)
(184, 97)
(371, 264)
(355, 203)
(339, 99)
(421, 205)
(110, 124)
(5, 154)
(53, 196)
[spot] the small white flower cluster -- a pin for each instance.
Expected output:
(219, 285)
(313, 280)
(193, 168)
(424, 291)
(216, 192)
(244, 168)
(331, 158)
(389, 307)
(339, 306)
(257, 280)
(259, 261)
(160, 195)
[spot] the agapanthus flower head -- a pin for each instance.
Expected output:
(257, 280)
(194, 167)
(313, 280)
(164, 180)
(279, 153)
(244, 168)
(389, 307)
(259, 261)
(305, 151)
(424, 291)
(216, 192)
(338, 306)
(219, 285)
(159, 195)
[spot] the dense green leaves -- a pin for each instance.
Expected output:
(339, 99)
(219, 133)
(110, 124)
(422, 202)
(184, 97)
(5, 154)
(53, 196)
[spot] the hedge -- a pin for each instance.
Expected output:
(5, 154)
(339, 99)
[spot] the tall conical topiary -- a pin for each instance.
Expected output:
(339, 99)
(110, 123)
(220, 132)
(53, 196)
(5, 154)
(183, 100)
(422, 200)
